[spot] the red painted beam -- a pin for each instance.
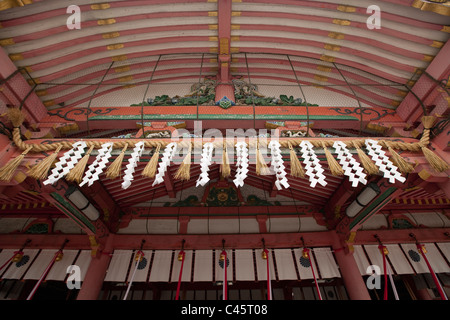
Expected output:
(362, 77)
(220, 212)
(99, 37)
(46, 14)
(92, 63)
(124, 86)
(410, 109)
(360, 25)
(98, 74)
(224, 32)
(387, 236)
(302, 53)
(91, 51)
(207, 242)
(19, 89)
(354, 52)
(117, 80)
(325, 33)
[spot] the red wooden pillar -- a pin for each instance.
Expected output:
(93, 281)
(353, 281)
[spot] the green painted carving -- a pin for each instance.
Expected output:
(222, 197)
(63, 113)
(304, 117)
(365, 111)
(225, 103)
(253, 200)
(202, 93)
(225, 116)
(38, 228)
(401, 224)
(247, 94)
(190, 201)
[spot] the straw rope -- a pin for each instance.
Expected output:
(284, 143)
(438, 164)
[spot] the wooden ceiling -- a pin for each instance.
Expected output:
(129, 38)
(126, 43)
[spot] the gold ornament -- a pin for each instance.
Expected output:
(305, 254)
(422, 246)
(264, 255)
(59, 256)
(180, 256)
(18, 257)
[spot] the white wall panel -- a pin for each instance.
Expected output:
(118, 266)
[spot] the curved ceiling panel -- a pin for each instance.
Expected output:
(330, 44)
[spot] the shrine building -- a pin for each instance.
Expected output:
(224, 150)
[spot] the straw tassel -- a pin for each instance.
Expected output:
(366, 162)
(152, 165)
(261, 166)
(335, 167)
(433, 159)
(184, 170)
(7, 171)
(402, 164)
(114, 169)
(225, 166)
(76, 173)
(296, 166)
(40, 170)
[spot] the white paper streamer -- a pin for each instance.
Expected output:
(96, 168)
(277, 165)
(167, 157)
(205, 162)
(351, 167)
(66, 162)
(382, 161)
(241, 164)
(313, 167)
(132, 164)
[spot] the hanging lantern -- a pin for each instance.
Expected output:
(422, 247)
(305, 253)
(222, 256)
(383, 250)
(18, 257)
(139, 256)
(59, 256)
(181, 256)
(264, 254)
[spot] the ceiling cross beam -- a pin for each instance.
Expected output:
(224, 32)
(168, 183)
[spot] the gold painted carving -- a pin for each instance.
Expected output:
(101, 6)
(332, 47)
(110, 35)
(441, 7)
(341, 22)
(346, 9)
(336, 35)
(115, 46)
(106, 21)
